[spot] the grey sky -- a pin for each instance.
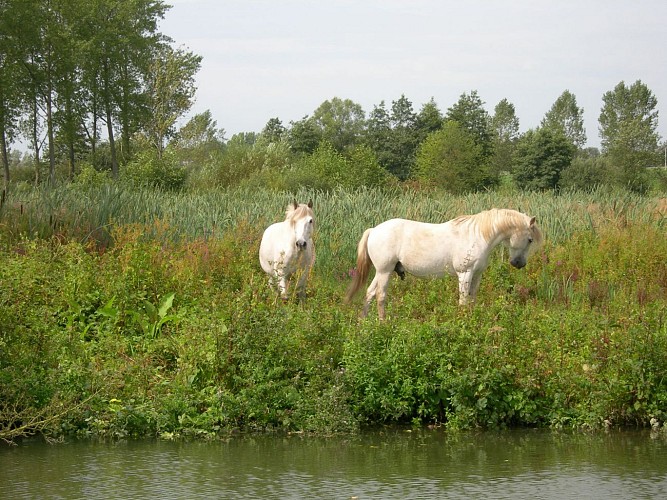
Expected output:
(275, 58)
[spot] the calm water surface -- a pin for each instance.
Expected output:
(387, 464)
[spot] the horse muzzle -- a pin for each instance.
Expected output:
(301, 244)
(518, 262)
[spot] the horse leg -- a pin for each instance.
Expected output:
(381, 293)
(474, 286)
(283, 285)
(301, 285)
(465, 287)
(370, 293)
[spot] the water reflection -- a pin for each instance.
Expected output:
(385, 464)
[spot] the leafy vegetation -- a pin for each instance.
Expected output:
(144, 312)
(131, 301)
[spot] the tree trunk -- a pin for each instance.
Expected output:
(52, 145)
(35, 141)
(112, 145)
(109, 114)
(72, 163)
(5, 157)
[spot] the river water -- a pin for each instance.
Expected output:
(387, 464)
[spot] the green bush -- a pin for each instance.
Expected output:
(147, 169)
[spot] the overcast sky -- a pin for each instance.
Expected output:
(283, 58)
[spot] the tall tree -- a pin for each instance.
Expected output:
(451, 159)
(304, 135)
(124, 43)
(341, 122)
(541, 156)
(404, 138)
(70, 103)
(469, 112)
(199, 141)
(201, 129)
(274, 130)
(378, 133)
(42, 40)
(10, 82)
(429, 119)
(568, 118)
(628, 129)
(170, 90)
(505, 128)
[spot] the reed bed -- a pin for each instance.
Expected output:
(72, 211)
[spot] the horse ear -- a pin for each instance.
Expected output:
(310, 204)
(532, 221)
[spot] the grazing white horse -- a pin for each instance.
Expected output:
(460, 247)
(287, 248)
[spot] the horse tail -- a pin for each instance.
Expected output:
(363, 267)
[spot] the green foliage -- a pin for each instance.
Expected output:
(153, 318)
(629, 111)
(470, 114)
(450, 159)
(304, 135)
(566, 118)
(540, 157)
(149, 169)
(327, 169)
(199, 143)
(394, 136)
(324, 169)
(172, 331)
(364, 169)
(505, 127)
(90, 177)
(340, 123)
(248, 162)
(628, 129)
(585, 174)
(170, 83)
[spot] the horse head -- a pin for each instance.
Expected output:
(524, 240)
(303, 221)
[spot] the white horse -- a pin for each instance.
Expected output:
(287, 248)
(460, 247)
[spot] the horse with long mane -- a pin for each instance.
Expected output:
(461, 247)
(287, 249)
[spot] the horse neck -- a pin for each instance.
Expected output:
(499, 226)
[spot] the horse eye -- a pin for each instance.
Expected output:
(530, 240)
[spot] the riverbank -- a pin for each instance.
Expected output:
(163, 325)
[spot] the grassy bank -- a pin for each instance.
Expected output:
(146, 313)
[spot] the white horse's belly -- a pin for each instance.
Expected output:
(427, 262)
(422, 249)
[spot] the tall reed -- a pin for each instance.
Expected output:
(83, 213)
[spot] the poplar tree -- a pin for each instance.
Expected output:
(469, 112)
(628, 131)
(568, 118)
(505, 129)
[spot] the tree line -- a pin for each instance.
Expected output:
(94, 87)
(70, 69)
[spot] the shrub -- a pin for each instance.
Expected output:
(149, 170)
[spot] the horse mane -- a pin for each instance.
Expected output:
(499, 221)
(293, 213)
